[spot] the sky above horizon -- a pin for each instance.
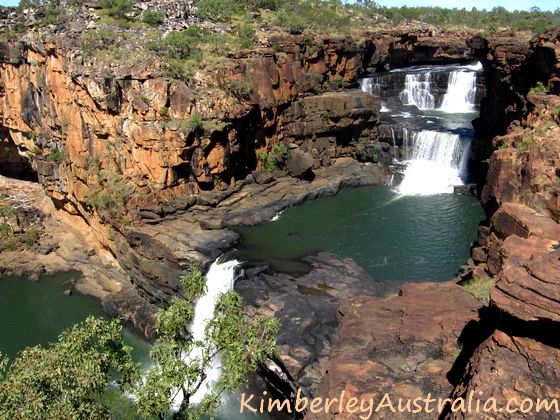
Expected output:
(468, 4)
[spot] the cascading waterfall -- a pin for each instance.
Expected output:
(461, 92)
(435, 163)
(220, 279)
(417, 91)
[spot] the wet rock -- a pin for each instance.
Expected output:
(67, 292)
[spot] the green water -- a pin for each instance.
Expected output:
(393, 237)
(33, 313)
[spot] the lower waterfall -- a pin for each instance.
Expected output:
(219, 279)
(435, 161)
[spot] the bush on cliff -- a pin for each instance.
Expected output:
(242, 344)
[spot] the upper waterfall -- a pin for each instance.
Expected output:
(461, 92)
(417, 91)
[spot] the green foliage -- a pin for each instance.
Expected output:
(340, 82)
(479, 288)
(268, 161)
(525, 144)
(100, 39)
(164, 111)
(6, 210)
(26, 4)
(322, 15)
(53, 16)
(246, 32)
(196, 123)
(538, 88)
(30, 237)
(279, 149)
(219, 9)
(153, 17)
(110, 198)
(241, 342)
(194, 283)
(65, 379)
(55, 155)
(117, 9)
(362, 141)
(5, 230)
(490, 20)
(241, 88)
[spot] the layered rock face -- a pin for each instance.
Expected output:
(519, 249)
(510, 348)
(138, 154)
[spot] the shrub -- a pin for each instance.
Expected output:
(55, 155)
(30, 237)
(279, 149)
(241, 88)
(479, 288)
(153, 17)
(117, 9)
(538, 88)
(5, 230)
(525, 144)
(196, 123)
(164, 111)
(110, 198)
(268, 161)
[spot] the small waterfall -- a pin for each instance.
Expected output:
(461, 92)
(220, 279)
(370, 85)
(435, 163)
(417, 91)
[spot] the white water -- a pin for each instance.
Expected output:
(461, 92)
(220, 279)
(370, 85)
(417, 91)
(435, 163)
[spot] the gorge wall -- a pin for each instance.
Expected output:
(159, 168)
(506, 348)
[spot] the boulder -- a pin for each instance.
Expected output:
(299, 164)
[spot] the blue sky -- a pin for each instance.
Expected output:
(488, 4)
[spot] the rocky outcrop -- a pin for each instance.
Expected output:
(197, 228)
(404, 346)
(307, 308)
(511, 368)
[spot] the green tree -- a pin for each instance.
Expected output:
(66, 379)
(181, 362)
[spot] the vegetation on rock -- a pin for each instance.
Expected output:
(181, 361)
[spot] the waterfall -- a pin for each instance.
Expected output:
(219, 279)
(417, 91)
(461, 92)
(370, 85)
(435, 163)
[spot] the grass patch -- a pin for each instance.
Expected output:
(479, 288)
